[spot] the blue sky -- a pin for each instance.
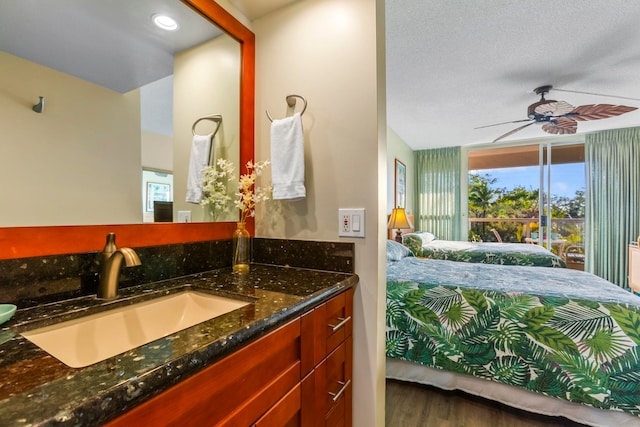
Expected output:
(566, 179)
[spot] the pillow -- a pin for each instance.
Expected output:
(415, 241)
(426, 236)
(396, 251)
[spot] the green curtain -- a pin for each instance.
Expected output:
(438, 207)
(612, 217)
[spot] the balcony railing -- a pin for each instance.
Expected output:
(516, 230)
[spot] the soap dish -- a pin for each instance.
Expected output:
(6, 311)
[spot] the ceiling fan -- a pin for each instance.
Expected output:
(560, 117)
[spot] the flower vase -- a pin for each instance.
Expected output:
(241, 249)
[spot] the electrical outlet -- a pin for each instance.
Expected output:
(184, 216)
(346, 223)
(351, 222)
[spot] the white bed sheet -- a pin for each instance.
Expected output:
(512, 396)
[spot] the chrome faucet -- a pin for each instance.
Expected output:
(112, 258)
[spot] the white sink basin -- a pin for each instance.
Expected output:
(93, 338)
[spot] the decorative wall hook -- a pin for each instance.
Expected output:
(39, 106)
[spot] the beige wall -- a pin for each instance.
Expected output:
(327, 51)
(157, 151)
(398, 149)
(206, 81)
(69, 164)
(157, 156)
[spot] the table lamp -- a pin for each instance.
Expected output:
(398, 220)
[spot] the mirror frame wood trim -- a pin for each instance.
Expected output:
(24, 242)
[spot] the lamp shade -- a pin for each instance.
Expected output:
(398, 219)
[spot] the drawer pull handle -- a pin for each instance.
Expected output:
(336, 396)
(341, 324)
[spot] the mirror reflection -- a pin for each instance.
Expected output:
(113, 136)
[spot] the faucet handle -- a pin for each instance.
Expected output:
(110, 246)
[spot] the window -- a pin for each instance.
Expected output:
(529, 194)
(156, 186)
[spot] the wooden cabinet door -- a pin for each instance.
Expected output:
(333, 388)
(285, 413)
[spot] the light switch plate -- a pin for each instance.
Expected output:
(184, 216)
(351, 222)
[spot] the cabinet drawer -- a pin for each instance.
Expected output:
(333, 385)
(338, 314)
(234, 391)
(324, 328)
(337, 416)
(285, 413)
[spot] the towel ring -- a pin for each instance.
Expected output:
(291, 102)
(217, 118)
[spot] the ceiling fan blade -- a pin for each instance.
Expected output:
(599, 111)
(503, 123)
(596, 94)
(561, 126)
(555, 108)
(512, 132)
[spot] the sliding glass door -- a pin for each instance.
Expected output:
(531, 193)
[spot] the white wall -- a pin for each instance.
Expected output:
(157, 151)
(331, 52)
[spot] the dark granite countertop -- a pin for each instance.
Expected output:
(37, 390)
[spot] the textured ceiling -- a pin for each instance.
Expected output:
(453, 65)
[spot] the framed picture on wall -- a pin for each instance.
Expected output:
(400, 198)
(157, 191)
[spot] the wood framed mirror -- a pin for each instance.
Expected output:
(21, 242)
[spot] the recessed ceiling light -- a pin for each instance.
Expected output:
(165, 22)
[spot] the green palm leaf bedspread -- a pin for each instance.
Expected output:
(559, 332)
(486, 253)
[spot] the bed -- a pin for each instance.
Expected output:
(424, 244)
(552, 341)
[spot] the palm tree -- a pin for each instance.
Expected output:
(481, 196)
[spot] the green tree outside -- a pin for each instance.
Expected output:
(486, 200)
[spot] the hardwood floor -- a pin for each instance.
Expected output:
(415, 405)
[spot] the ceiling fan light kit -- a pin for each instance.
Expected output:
(560, 117)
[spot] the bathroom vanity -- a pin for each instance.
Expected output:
(273, 361)
(296, 375)
(282, 359)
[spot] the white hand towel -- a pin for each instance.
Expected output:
(287, 158)
(200, 150)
